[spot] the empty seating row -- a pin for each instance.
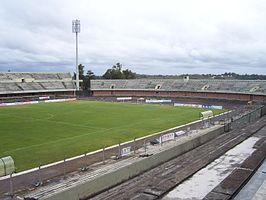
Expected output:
(16, 82)
(235, 86)
(11, 87)
(6, 76)
(53, 85)
(30, 86)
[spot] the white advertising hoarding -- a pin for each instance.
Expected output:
(125, 151)
(167, 137)
(158, 101)
(123, 98)
(198, 106)
(179, 133)
(44, 97)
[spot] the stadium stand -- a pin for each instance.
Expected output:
(28, 84)
(191, 85)
(253, 88)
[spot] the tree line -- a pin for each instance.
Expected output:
(225, 76)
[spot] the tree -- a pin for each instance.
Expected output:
(90, 74)
(128, 74)
(116, 73)
(81, 71)
(85, 84)
(87, 80)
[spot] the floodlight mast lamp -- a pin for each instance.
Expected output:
(76, 29)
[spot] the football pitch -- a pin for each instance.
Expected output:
(45, 133)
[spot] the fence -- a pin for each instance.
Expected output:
(247, 117)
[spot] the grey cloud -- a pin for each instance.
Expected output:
(153, 37)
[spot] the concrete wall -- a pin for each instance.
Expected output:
(211, 95)
(106, 181)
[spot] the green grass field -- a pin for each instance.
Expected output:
(45, 133)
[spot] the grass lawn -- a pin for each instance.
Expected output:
(44, 133)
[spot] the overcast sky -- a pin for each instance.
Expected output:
(146, 36)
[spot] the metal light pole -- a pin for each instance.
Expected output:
(76, 29)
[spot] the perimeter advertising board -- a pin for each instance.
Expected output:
(167, 137)
(125, 151)
(199, 106)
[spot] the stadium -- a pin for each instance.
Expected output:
(132, 100)
(124, 135)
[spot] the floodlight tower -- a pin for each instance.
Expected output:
(76, 29)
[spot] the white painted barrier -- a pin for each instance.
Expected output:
(179, 133)
(59, 100)
(198, 106)
(19, 103)
(44, 97)
(158, 100)
(123, 98)
(35, 102)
